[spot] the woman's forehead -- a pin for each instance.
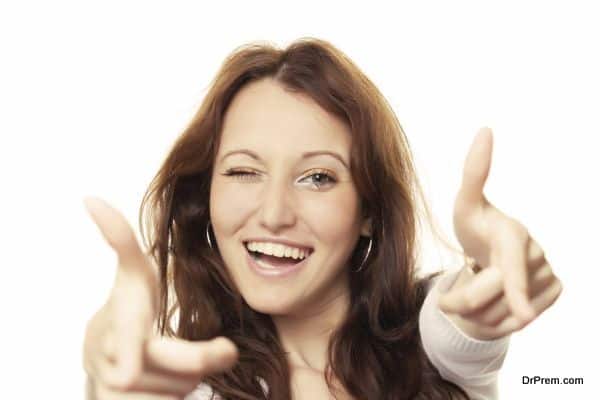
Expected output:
(264, 114)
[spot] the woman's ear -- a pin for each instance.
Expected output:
(367, 227)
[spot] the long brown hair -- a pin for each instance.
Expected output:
(376, 353)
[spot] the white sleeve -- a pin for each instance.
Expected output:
(202, 392)
(470, 363)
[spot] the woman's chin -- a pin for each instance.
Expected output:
(270, 303)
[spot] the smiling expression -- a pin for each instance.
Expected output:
(283, 171)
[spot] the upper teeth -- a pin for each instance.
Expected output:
(276, 249)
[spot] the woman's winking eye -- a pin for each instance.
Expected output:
(244, 174)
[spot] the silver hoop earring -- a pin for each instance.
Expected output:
(366, 256)
(208, 236)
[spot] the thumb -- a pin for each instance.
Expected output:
(117, 232)
(476, 169)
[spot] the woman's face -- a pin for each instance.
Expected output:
(280, 197)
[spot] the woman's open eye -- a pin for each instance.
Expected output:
(321, 178)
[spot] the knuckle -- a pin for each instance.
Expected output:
(559, 288)
(536, 253)
(545, 273)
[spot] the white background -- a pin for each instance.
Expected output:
(92, 95)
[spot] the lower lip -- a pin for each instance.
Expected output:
(275, 272)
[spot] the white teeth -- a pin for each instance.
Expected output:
(276, 249)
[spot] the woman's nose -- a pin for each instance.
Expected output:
(277, 208)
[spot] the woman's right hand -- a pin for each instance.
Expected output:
(124, 359)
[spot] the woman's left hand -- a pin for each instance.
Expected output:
(516, 283)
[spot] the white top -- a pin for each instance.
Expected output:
(470, 363)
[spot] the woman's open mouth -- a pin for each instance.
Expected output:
(273, 266)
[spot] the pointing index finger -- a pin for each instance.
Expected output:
(117, 232)
(476, 168)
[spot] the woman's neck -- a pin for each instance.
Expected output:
(305, 335)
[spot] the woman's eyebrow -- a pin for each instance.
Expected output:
(305, 155)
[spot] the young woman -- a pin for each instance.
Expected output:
(281, 264)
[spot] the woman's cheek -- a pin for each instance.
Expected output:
(335, 212)
(225, 205)
(232, 196)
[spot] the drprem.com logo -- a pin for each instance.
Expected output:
(540, 380)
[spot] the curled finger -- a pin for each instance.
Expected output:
(495, 312)
(511, 257)
(483, 288)
(540, 303)
(191, 358)
(147, 381)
